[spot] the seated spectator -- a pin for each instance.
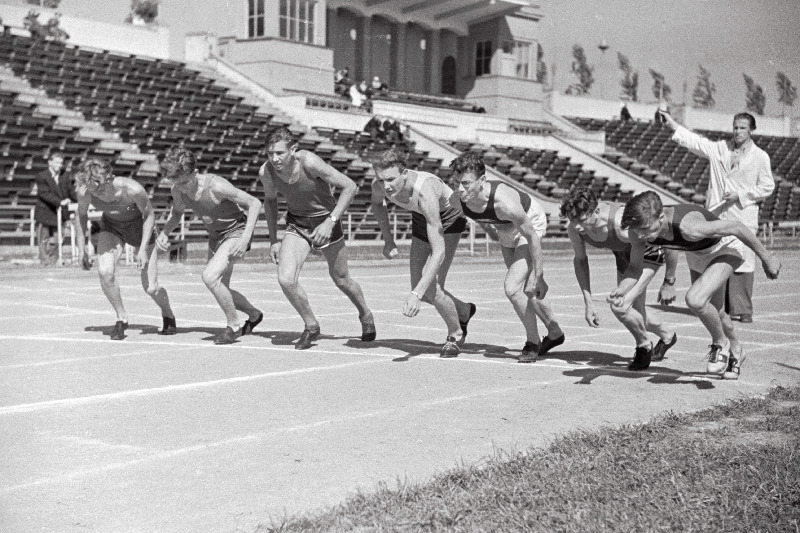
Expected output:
(358, 96)
(342, 82)
(392, 131)
(624, 113)
(375, 127)
(378, 87)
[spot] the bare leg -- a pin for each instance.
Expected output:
(109, 249)
(717, 302)
(451, 245)
(336, 255)
(518, 263)
(293, 254)
(703, 300)
(435, 295)
(149, 276)
(217, 276)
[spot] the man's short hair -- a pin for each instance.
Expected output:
(93, 169)
(642, 210)
(279, 134)
(747, 116)
(393, 157)
(578, 202)
(468, 162)
(54, 155)
(178, 160)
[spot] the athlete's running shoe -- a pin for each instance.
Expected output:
(228, 336)
(465, 323)
(530, 353)
(118, 331)
(548, 344)
(249, 325)
(170, 327)
(641, 358)
(306, 338)
(718, 359)
(450, 348)
(368, 332)
(735, 362)
(660, 350)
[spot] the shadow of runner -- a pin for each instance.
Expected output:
(412, 347)
(672, 309)
(656, 375)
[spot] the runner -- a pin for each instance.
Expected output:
(436, 228)
(714, 249)
(597, 223)
(312, 222)
(128, 218)
(518, 222)
(230, 231)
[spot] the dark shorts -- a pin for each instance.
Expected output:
(215, 239)
(452, 222)
(653, 255)
(129, 232)
(304, 226)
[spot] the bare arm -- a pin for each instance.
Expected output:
(509, 207)
(580, 263)
(317, 167)
(139, 196)
(178, 207)
(224, 189)
(429, 206)
(381, 213)
(270, 203)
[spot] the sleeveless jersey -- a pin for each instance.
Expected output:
(612, 242)
(309, 196)
(219, 218)
(678, 241)
(117, 212)
(489, 215)
(413, 203)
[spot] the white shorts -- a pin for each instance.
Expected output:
(699, 261)
(508, 235)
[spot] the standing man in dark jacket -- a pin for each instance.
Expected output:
(54, 189)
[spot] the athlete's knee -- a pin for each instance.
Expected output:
(287, 281)
(341, 281)
(151, 289)
(106, 273)
(512, 290)
(695, 300)
(211, 278)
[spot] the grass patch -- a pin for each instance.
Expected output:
(734, 467)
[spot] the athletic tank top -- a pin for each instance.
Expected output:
(218, 217)
(489, 215)
(420, 178)
(612, 242)
(679, 242)
(116, 211)
(309, 196)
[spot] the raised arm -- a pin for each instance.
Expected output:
(382, 216)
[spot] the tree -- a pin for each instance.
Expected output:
(541, 66)
(786, 91)
(703, 95)
(41, 32)
(630, 83)
(581, 68)
(661, 90)
(755, 98)
(146, 10)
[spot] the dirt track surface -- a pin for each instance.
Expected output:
(175, 434)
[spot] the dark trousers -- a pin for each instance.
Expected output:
(739, 294)
(47, 237)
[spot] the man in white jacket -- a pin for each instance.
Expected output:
(740, 177)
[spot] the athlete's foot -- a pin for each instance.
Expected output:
(735, 362)
(170, 328)
(718, 358)
(306, 338)
(250, 324)
(549, 343)
(450, 348)
(641, 358)
(228, 336)
(465, 323)
(661, 347)
(118, 331)
(530, 353)
(368, 332)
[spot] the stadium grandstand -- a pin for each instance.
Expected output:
(457, 76)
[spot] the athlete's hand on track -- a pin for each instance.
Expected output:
(666, 294)
(162, 242)
(322, 233)
(412, 305)
(275, 252)
(591, 317)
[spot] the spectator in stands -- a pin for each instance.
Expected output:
(377, 87)
(518, 222)
(436, 227)
(391, 129)
(128, 218)
(741, 177)
(54, 190)
(358, 96)
(714, 249)
(312, 223)
(597, 223)
(230, 230)
(375, 127)
(625, 113)
(342, 82)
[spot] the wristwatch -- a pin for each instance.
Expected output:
(333, 218)
(669, 281)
